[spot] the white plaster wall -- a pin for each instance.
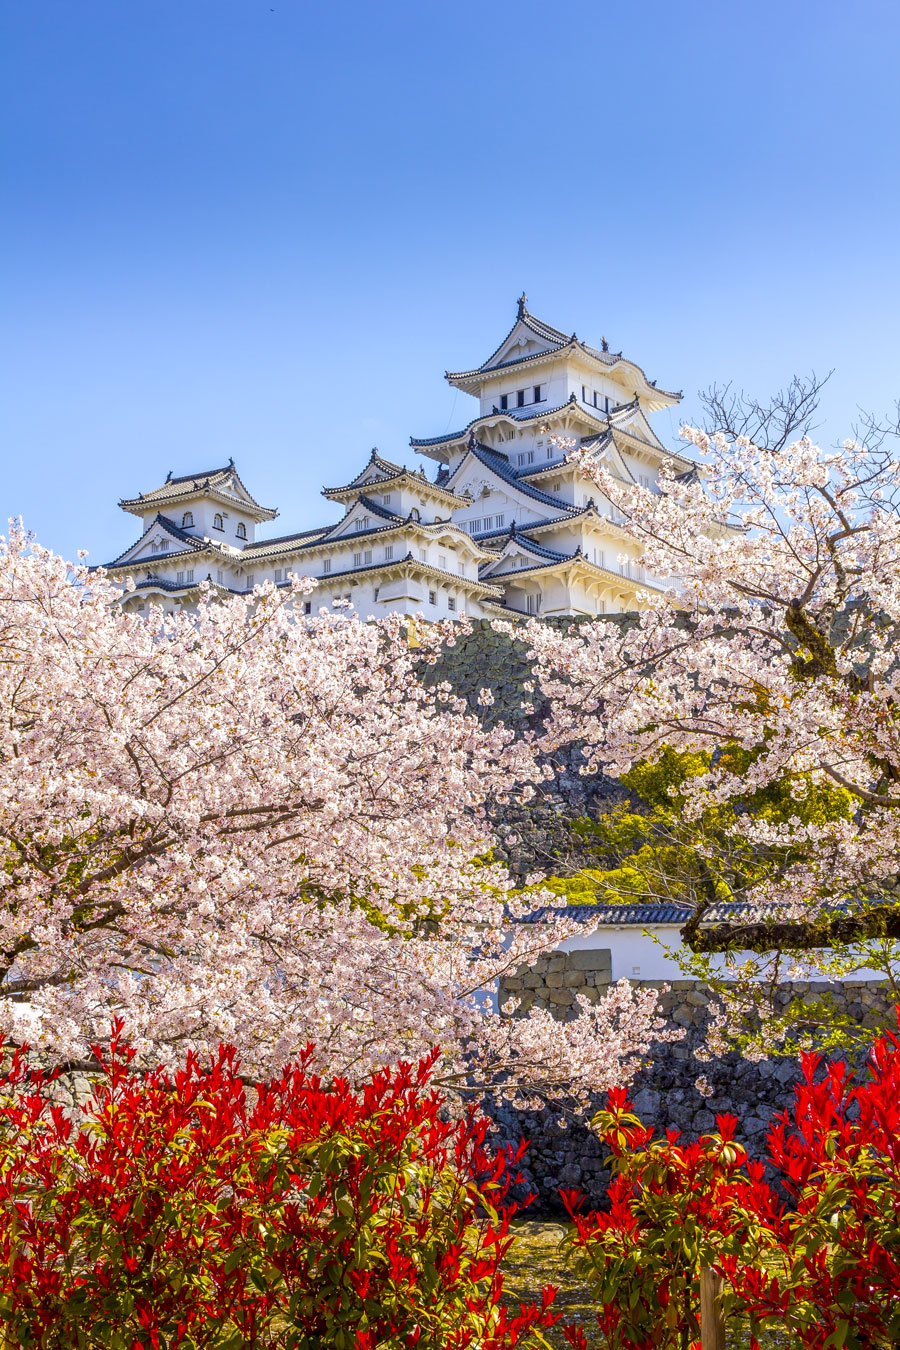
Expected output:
(635, 954)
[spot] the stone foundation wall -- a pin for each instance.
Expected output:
(554, 981)
(664, 1092)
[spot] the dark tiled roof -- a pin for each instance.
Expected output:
(519, 536)
(158, 583)
(502, 467)
(195, 544)
(516, 414)
(473, 582)
(260, 545)
(557, 340)
(201, 476)
(185, 483)
(643, 914)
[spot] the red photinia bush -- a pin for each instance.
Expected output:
(824, 1270)
(838, 1156)
(673, 1209)
(187, 1211)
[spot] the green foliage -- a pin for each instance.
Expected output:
(648, 850)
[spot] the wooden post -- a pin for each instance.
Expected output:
(712, 1320)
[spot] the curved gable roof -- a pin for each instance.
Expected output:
(504, 470)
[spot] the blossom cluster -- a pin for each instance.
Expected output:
(233, 825)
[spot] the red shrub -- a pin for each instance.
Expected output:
(187, 1212)
(826, 1271)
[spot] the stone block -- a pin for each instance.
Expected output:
(533, 980)
(697, 999)
(561, 997)
(646, 1103)
(597, 960)
(558, 961)
(555, 979)
(573, 979)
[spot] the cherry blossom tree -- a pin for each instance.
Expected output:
(772, 655)
(239, 825)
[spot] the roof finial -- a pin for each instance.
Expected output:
(523, 301)
(231, 461)
(604, 343)
(168, 478)
(471, 443)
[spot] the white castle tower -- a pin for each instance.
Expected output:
(504, 525)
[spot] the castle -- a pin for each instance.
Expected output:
(503, 525)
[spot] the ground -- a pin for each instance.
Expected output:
(535, 1261)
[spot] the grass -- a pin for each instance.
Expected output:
(535, 1260)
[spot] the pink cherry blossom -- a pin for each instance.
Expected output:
(228, 825)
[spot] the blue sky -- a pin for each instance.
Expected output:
(265, 228)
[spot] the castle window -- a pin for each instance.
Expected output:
(504, 402)
(520, 398)
(584, 397)
(307, 607)
(251, 581)
(549, 451)
(533, 604)
(451, 603)
(190, 577)
(388, 552)
(415, 514)
(279, 575)
(386, 499)
(432, 597)
(217, 522)
(538, 395)
(241, 531)
(498, 521)
(220, 576)
(529, 457)
(179, 578)
(442, 561)
(326, 566)
(187, 520)
(164, 546)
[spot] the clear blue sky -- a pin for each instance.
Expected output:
(264, 228)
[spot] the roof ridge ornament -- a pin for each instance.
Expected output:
(604, 344)
(522, 303)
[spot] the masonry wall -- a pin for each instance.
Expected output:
(664, 1092)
